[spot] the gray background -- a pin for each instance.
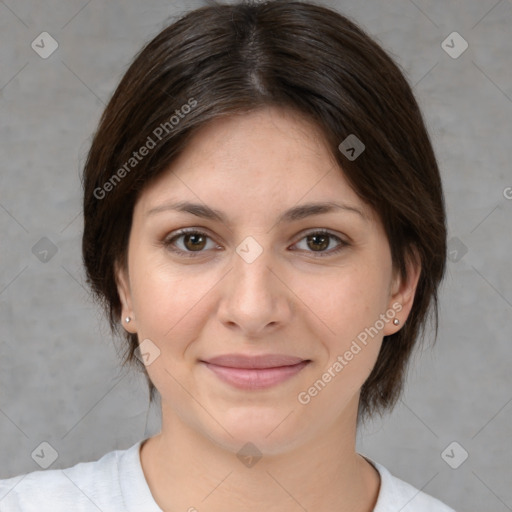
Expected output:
(60, 379)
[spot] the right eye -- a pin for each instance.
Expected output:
(194, 241)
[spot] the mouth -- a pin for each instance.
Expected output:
(256, 372)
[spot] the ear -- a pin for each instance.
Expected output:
(402, 292)
(124, 292)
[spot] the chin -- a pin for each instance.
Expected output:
(270, 432)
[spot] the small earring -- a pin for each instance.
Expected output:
(127, 319)
(396, 321)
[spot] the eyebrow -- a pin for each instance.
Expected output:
(293, 214)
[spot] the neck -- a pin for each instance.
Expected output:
(187, 471)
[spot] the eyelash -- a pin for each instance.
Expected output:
(168, 242)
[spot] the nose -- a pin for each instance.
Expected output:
(255, 299)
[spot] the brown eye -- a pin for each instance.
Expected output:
(194, 241)
(318, 241)
(188, 242)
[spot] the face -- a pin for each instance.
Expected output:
(256, 273)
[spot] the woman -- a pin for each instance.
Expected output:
(264, 217)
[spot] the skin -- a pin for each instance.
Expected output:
(289, 300)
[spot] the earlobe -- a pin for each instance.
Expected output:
(403, 292)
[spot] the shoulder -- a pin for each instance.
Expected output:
(395, 494)
(84, 486)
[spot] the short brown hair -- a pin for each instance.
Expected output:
(225, 59)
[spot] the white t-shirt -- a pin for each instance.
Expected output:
(116, 483)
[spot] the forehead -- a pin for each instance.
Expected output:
(266, 158)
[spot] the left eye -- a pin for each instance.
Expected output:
(321, 240)
(195, 241)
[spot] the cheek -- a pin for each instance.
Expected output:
(347, 301)
(168, 303)
(347, 306)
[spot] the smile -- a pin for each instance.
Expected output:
(255, 378)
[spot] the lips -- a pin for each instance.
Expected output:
(258, 361)
(255, 372)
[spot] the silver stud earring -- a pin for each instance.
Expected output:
(396, 321)
(127, 319)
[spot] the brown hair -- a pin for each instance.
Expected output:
(227, 59)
